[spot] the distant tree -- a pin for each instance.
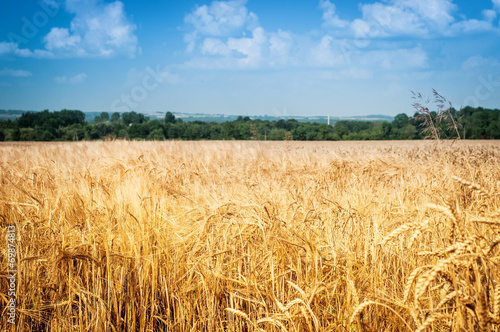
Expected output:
(133, 117)
(169, 118)
(175, 131)
(400, 121)
(115, 117)
(157, 135)
(276, 134)
(193, 131)
(16, 134)
(47, 136)
(409, 132)
(103, 117)
(138, 130)
(299, 133)
(340, 129)
(230, 130)
(122, 133)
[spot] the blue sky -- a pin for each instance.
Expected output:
(251, 57)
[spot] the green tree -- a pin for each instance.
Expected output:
(103, 117)
(157, 135)
(169, 118)
(16, 134)
(340, 129)
(115, 117)
(133, 117)
(400, 121)
(47, 136)
(123, 133)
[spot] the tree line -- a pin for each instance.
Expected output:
(70, 125)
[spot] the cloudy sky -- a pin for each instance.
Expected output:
(302, 57)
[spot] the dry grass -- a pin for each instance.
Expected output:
(253, 236)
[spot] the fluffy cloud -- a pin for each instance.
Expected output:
(250, 48)
(403, 17)
(471, 26)
(220, 38)
(15, 72)
(330, 16)
(280, 48)
(7, 48)
(60, 38)
(225, 34)
(341, 53)
(415, 18)
(79, 78)
(222, 18)
(489, 14)
(214, 46)
(496, 5)
(398, 59)
(97, 29)
(244, 52)
(13, 48)
(328, 53)
(478, 62)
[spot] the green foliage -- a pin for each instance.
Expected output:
(103, 117)
(133, 117)
(169, 118)
(115, 117)
(66, 125)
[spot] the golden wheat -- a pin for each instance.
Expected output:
(251, 236)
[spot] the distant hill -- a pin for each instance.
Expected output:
(225, 117)
(11, 114)
(89, 117)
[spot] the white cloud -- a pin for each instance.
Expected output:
(403, 17)
(6, 47)
(398, 59)
(328, 53)
(60, 38)
(79, 78)
(280, 47)
(415, 18)
(214, 46)
(478, 62)
(244, 52)
(437, 12)
(222, 18)
(330, 16)
(190, 40)
(251, 48)
(15, 72)
(97, 29)
(220, 38)
(261, 49)
(13, 48)
(470, 26)
(489, 14)
(218, 25)
(496, 5)
(341, 53)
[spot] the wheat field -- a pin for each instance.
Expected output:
(252, 236)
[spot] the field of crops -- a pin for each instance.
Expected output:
(250, 236)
